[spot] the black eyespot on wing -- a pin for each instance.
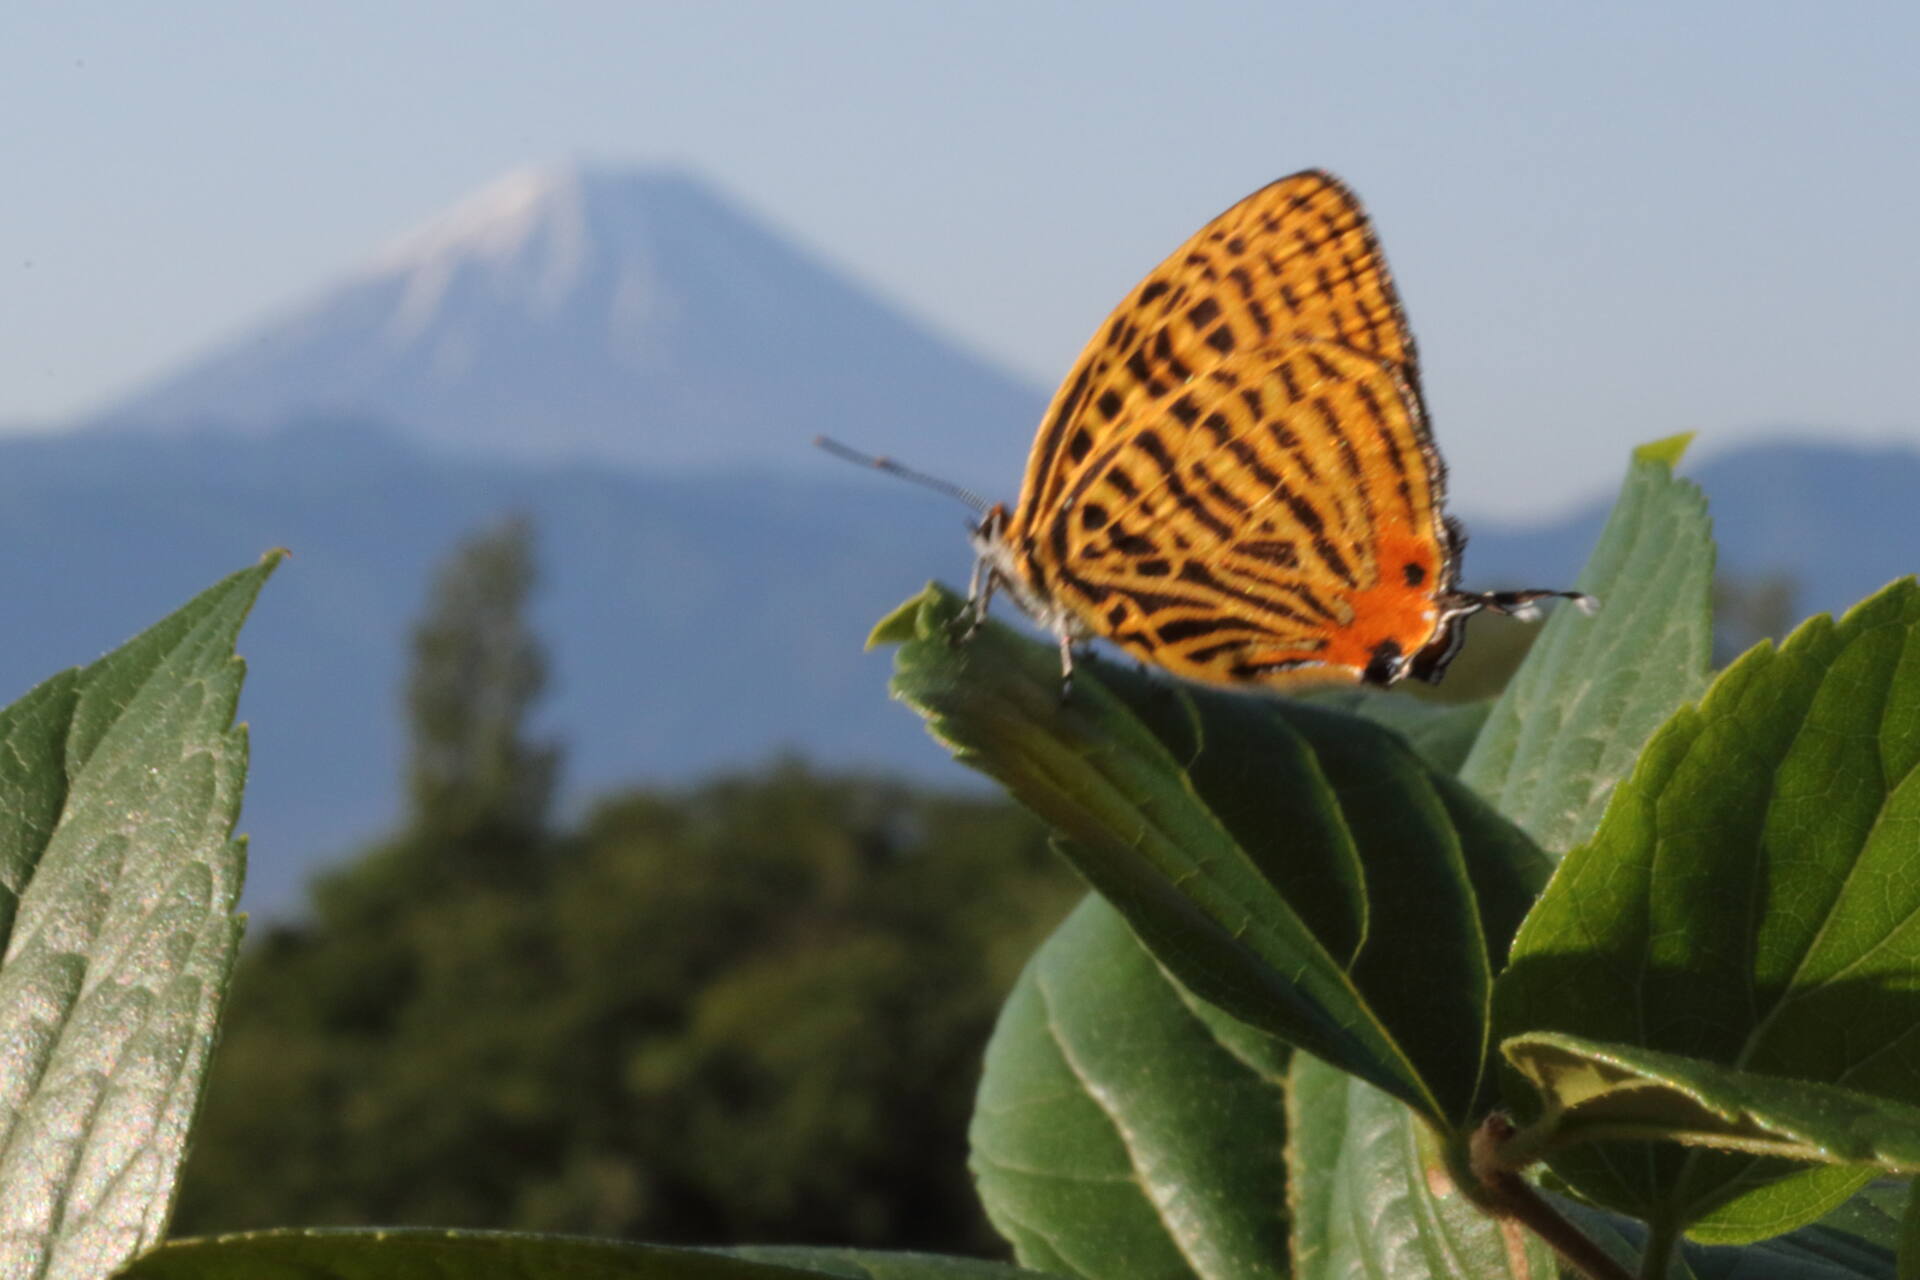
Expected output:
(1415, 574)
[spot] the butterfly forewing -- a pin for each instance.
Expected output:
(1297, 258)
(1282, 512)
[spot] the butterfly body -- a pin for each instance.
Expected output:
(1237, 482)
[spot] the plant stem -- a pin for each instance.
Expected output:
(1504, 1192)
(1661, 1237)
(1548, 1135)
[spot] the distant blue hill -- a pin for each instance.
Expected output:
(696, 620)
(1842, 521)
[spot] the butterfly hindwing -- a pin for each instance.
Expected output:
(1283, 510)
(1237, 483)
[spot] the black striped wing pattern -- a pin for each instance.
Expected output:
(1237, 482)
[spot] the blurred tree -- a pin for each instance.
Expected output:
(753, 1009)
(475, 778)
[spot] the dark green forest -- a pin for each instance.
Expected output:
(748, 1009)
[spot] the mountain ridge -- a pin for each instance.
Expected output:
(630, 316)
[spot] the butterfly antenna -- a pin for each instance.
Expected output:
(888, 465)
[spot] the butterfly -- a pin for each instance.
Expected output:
(1237, 482)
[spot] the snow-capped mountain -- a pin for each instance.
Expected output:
(631, 316)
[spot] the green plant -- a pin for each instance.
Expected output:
(1360, 965)
(1699, 1019)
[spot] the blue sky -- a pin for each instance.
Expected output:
(1609, 222)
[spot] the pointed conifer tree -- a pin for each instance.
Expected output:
(480, 785)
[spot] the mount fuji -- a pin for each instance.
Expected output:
(636, 317)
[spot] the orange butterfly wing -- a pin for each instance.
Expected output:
(1237, 481)
(1297, 258)
(1280, 514)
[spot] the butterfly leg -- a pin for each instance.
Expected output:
(1066, 669)
(979, 593)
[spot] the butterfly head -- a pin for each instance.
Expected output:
(1006, 563)
(992, 529)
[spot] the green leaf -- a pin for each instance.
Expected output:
(1372, 1198)
(1592, 689)
(897, 627)
(1300, 868)
(1869, 1220)
(1783, 1201)
(1440, 734)
(1317, 1095)
(1856, 1239)
(1124, 1128)
(120, 784)
(1666, 451)
(1599, 1092)
(1102, 1068)
(1750, 900)
(33, 783)
(869, 1264)
(420, 1254)
(1909, 1247)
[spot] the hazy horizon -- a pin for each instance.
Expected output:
(1602, 222)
